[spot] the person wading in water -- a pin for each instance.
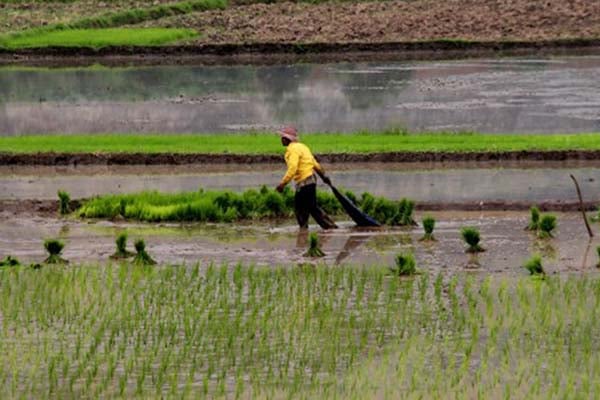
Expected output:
(301, 166)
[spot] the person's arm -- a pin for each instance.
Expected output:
(291, 160)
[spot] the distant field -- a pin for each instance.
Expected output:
(268, 143)
(97, 38)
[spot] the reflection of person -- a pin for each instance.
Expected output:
(301, 167)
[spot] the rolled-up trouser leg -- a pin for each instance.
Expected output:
(307, 197)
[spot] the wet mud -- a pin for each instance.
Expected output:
(506, 242)
(75, 159)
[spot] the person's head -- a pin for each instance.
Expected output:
(288, 135)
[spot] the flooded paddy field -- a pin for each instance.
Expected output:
(280, 242)
(521, 95)
(425, 183)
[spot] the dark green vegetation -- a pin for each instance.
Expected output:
(9, 261)
(141, 256)
(405, 264)
(534, 222)
(293, 332)
(314, 247)
(598, 254)
(471, 236)
(547, 225)
(428, 226)
(534, 265)
(54, 247)
(268, 143)
(121, 243)
(97, 38)
(226, 206)
(63, 202)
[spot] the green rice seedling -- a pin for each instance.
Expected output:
(471, 236)
(547, 225)
(406, 208)
(534, 265)
(121, 251)
(9, 261)
(405, 264)
(54, 247)
(598, 253)
(428, 226)
(142, 257)
(534, 222)
(63, 202)
(314, 247)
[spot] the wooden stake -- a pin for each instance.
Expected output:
(587, 225)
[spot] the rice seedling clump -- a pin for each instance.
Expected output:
(547, 225)
(405, 264)
(428, 226)
(9, 261)
(534, 221)
(142, 257)
(472, 237)
(63, 202)
(226, 206)
(534, 265)
(121, 251)
(54, 247)
(314, 247)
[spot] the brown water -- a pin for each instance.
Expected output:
(560, 94)
(507, 243)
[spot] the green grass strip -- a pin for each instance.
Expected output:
(97, 38)
(227, 206)
(268, 143)
(114, 19)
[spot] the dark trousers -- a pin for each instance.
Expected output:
(305, 204)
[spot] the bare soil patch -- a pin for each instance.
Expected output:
(394, 21)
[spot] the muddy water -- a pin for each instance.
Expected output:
(456, 185)
(501, 95)
(507, 244)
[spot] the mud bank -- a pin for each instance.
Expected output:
(64, 159)
(277, 53)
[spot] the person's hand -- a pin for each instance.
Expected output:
(326, 179)
(280, 187)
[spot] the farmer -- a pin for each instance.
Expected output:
(301, 167)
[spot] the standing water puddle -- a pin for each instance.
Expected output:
(503, 95)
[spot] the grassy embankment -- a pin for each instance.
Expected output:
(268, 143)
(93, 31)
(316, 332)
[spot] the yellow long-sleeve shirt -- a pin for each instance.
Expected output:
(300, 162)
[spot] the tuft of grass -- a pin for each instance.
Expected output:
(405, 264)
(320, 143)
(472, 237)
(534, 221)
(63, 202)
(54, 247)
(142, 257)
(121, 243)
(534, 265)
(9, 261)
(314, 247)
(428, 226)
(98, 38)
(547, 225)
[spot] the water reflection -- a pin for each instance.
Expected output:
(512, 95)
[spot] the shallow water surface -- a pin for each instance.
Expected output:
(560, 94)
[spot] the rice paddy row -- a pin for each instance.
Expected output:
(328, 332)
(320, 143)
